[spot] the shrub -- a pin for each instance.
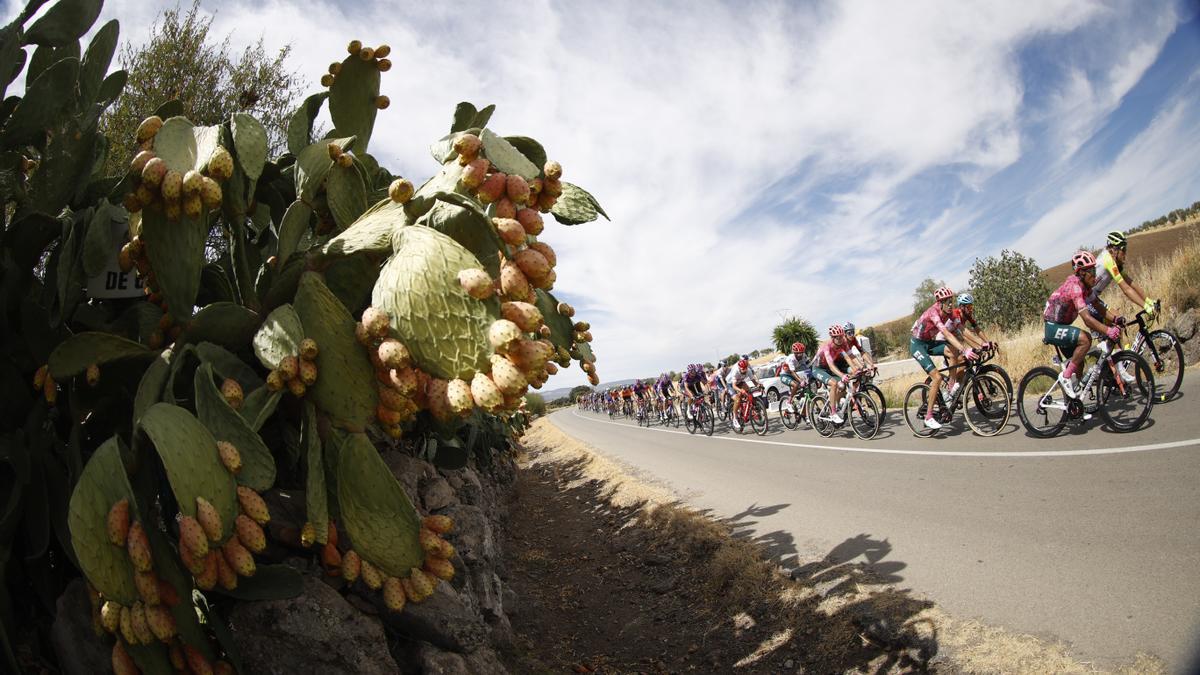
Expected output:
(794, 329)
(1009, 290)
(535, 404)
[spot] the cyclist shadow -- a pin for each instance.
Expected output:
(1082, 427)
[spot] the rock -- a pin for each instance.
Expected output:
(436, 494)
(437, 662)
(664, 585)
(316, 631)
(408, 470)
(471, 491)
(789, 664)
(473, 536)
(80, 651)
(1185, 327)
(657, 559)
(488, 591)
(510, 600)
(446, 619)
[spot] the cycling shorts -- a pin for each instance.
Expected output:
(922, 350)
(1061, 335)
(790, 379)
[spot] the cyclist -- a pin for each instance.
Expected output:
(718, 383)
(641, 393)
(856, 348)
(796, 368)
(825, 368)
(740, 380)
(1109, 268)
(1068, 302)
(663, 389)
(924, 343)
(691, 383)
(963, 325)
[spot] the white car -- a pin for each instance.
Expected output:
(772, 384)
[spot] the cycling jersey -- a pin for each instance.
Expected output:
(663, 386)
(1107, 270)
(828, 354)
(718, 377)
(1067, 302)
(930, 324)
(692, 382)
(796, 363)
(739, 376)
(959, 320)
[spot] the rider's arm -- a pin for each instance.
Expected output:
(950, 338)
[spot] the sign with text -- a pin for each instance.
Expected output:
(112, 282)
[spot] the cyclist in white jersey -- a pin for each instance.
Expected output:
(1109, 267)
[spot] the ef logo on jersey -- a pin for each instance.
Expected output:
(1061, 333)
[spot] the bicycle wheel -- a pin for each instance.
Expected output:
(1002, 373)
(819, 406)
(1164, 353)
(1126, 392)
(1041, 404)
(915, 400)
(705, 419)
(758, 417)
(787, 413)
(877, 394)
(689, 420)
(987, 406)
(864, 416)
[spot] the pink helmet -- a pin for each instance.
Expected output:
(836, 331)
(943, 293)
(1082, 259)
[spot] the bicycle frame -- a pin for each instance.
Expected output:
(852, 388)
(1106, 352)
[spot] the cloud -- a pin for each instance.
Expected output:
(817, 159)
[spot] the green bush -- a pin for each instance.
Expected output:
(794, 329)
(1009, 289)
(535, 404)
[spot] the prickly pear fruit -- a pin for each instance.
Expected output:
(148, 128)
(517, 189)
(138, 547)
(492, 188)
(345, 160)
(192, 536)
(392, 400)
(458, 392)
(275, 381)
(253, 505)
(370, 575)
(510, 231)
(289, 367)
(422, 584)
(126, 624)
(507, 377)
(167, 594)
(476, 282)
(527, 317)
(351, 566)
(192, 182)
(147, 586)
(172, 185)
(393, 354)
(160, 622)
(553, 170)
(362, 335)
(437, 395)
(502, 333)
(196, 661)
(468, 145)
(447, 551)
(376, 321)
(137, 619)
(220, 165)
(485, 392)
(226, 577)
(594, 379)
(439, 567)
(566, 310)
(250, 534)
(210, 193)
(387, 416)
(110, 616)
(429, 540)
(533, 265)
(118, 522)
(382, 51)
(546, 202)
(193, 563)
(154, 172)
(475, 172)
(401, 190)
(230, 457)
(39, 378)
(308, 372)
(551, 187)
(551, 368)
(308, 349)
(438, 524)
(238, 557)
(122, 662)
(505, 208)
(308, 535)
(193, 206)
(513, 283)
(297, 387)
(366, 53)
(383, 65)
(393, 594)
(209, 519)
(140, 160)
(331, 559)
(232, 391)
(355, 47)
(327, 80)
(531, 220)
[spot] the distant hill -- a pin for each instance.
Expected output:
(1144, 248)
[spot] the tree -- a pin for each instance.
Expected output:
(576, 392)
(709, 366)
(181, 60)
(754, 354)
(1009, 290)
(535, 404)
(732, 359)
(794, 329)
(923, 294)
(881, 344)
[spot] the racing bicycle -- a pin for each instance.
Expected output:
(753, 412)
(984, 396)
(857, 408)
(1163, 351)
(698, 415)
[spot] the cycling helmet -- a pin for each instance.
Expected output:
(836, 331)
(1082, 259)
(966, 299)
(943, 293)
(797, 347)
(743, 364)
(1117, 238)
(849, 328)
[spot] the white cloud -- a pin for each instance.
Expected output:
(682, 118)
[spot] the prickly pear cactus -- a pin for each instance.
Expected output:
(446, 329)
(102, 484)
(75, 354)
(225, 424)
(378, 516)
(279, 337)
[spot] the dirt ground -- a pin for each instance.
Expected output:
(611, 576)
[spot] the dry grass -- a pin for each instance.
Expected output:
(736, 571)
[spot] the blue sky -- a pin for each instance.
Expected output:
(759, 158)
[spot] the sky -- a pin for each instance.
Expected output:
(765, 159)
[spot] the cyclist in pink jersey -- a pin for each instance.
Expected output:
(825, 368)
(1068, 302)
(927, 335)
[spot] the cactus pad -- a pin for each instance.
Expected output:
(313, 165)
(259, 406)
(576, 206)
(76, 353)
(150, 389)
(345, 387)
(315, 495)
(347, 193)
(352, 99)
(224, 323)
(372, 232)
(258, 467)
(293, 227)
(505, 157)
(176, 251)
(189, 454)
(470, 228)
(250, 140)
(375, 511)
(102, 484)
(279, 336)
(443, 326)
(562, 330)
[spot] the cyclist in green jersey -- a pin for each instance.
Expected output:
(1110, 267)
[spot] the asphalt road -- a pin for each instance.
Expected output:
(1090, 538)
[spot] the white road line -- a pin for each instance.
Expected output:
(947, 453)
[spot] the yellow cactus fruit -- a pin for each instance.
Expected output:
(308, 372)
(376, 322)
(502, 334)
(308, 349)
(422, 584)
(510, 231)
(553, 171)
(297, 388)
(122, 662)
(439, 567)
(366, 53)
(351, 566)
(485, 392)
(232, 391)
(110, 616)
(238, 557)
(383, 65)
(393, 594)
(438, 524)
(252, 504)
(210, 193)
(401, 190)
(327, 80)
(140, 160)
(161, 622)
(354, 47)
(308, 535)
(393, 354)
(382, 102)
(148, 128)
(371, 575)
(138, 548)
(458, 393)
(250, 534)
(345, 160)
(230, 457)
(226, 577)
(335, 67)
(147, 586)
(192, 537)
(140, 627)
(275, 381)
(387, 416)
(209, 519)
(382, 51)
(220, 165)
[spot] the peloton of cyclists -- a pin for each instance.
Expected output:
(663, 390)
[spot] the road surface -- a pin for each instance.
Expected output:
(1090, 538)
